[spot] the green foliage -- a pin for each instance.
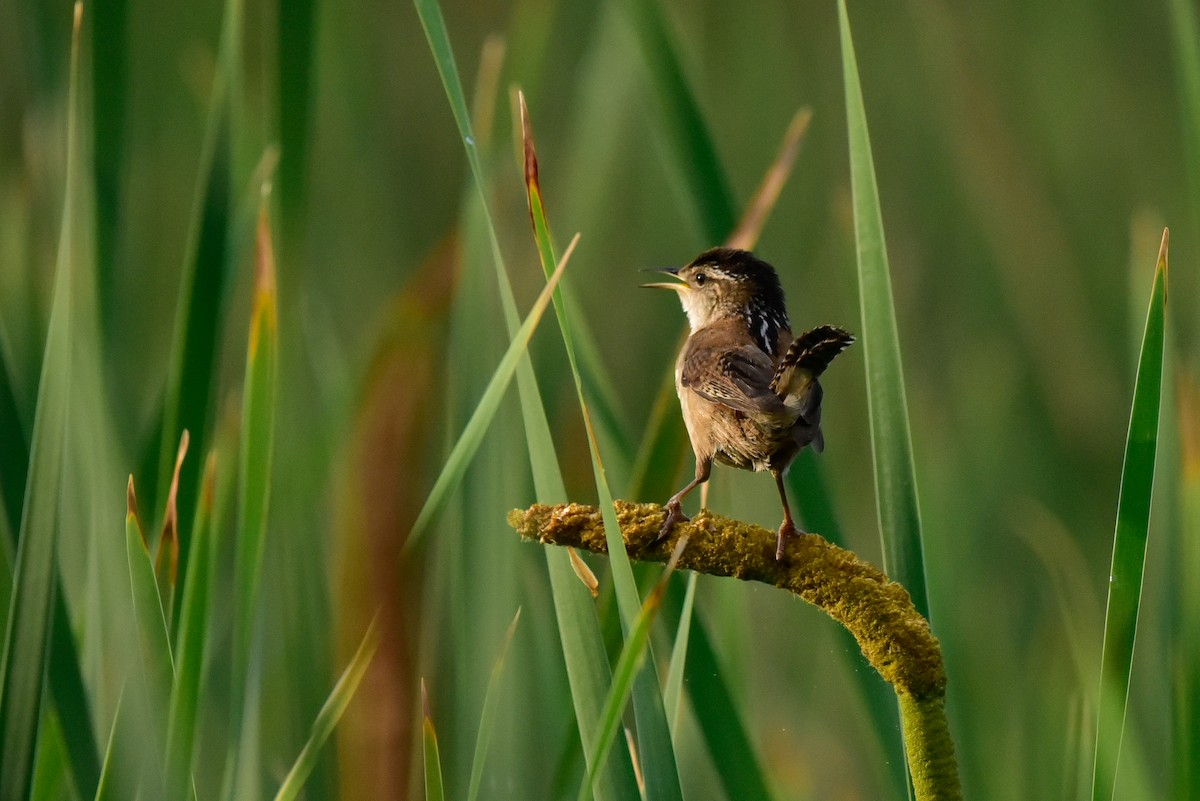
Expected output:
(1017, 154)
(1130, 540)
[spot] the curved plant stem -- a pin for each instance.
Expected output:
(893, 636)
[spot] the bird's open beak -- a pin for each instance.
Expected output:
(674, 273)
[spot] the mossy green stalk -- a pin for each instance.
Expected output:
(893, 636)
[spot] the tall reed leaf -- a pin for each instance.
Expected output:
(895, 476)
(330, 714)
(434, 789)
(193, 633)
(673, 689)
(1186, 740)
(254, 477)
(637, 643)
(688, 134)
(579, 631)
(486, 720)
(1129, 541)
(202, 298)
(485, 411)
(654, 734)
(1185, 38)
(23, 665)
(158, 667)
(106, 787)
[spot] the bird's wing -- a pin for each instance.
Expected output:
(739, 378)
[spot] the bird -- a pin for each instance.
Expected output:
(747, 387)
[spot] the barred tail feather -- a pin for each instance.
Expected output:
(807, 357)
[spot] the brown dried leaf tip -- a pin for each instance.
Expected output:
(131, 509)
(166, 560)
(531, 162)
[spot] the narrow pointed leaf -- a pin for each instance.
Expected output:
(1129, 541)
(487, 720)
(166, 559)
(689, 135)
(637, 644)
(327, 719)
(106, 788)
(193, 632)
(27, 634)
(582, 350)
(485, 411)
(434, 790)
(674, 684)
(258, 431)
(153, 641)
(579, 632)
(895, 475)
(203, 297)
(657, 751)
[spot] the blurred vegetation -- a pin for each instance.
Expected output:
(1027, 159)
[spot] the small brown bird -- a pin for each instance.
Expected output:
(747, 388)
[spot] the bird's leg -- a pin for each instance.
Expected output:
(787, 528)
(674, 511)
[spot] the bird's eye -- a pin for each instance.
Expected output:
(700, 279)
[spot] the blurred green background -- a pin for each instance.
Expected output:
(1028, 156)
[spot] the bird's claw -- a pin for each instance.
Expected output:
(674, 515)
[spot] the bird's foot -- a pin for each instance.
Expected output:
(674, 515)
(787, 530)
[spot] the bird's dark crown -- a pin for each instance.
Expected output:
(760, 282)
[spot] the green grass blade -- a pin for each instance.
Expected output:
(583, 648)
(434, 790)
(193, 634)
(14, 459)
(485, 411)
(27, 635)
(106, 788)
(579, 631)
(895, 475)
(203, 296)
(153, 640)
(717, 713)
(487, 719)
(1186, 740)
(582, 350)
(683, 631)
(1185, 38)
(689, 135)
(109, 87)
(327, 719)
(254, 477)
(296, 27)
(1129, 542)
(547, 477)
(625, 673)
(654, 734)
